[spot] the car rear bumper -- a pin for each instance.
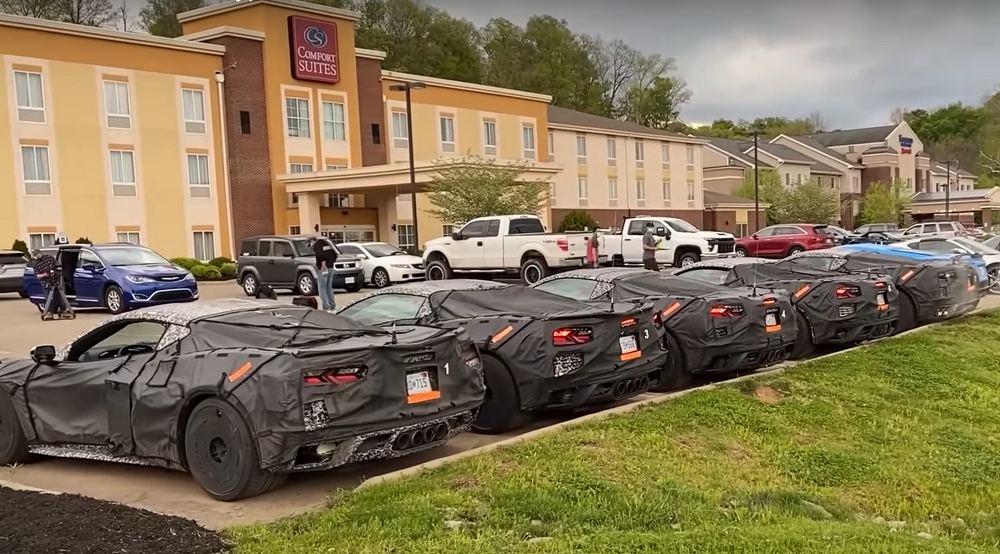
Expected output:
(945, 308)
(12, 284)
(577, 391)
(343, 279)
(855, 330)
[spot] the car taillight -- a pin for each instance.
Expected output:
(768, 301)
(848, 292)
(630, 322)
(729, 310)
(339, 376)
(569, 336)
(563, 244)
(657, 320)
(471, 356)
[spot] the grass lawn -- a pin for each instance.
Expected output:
(890, 449)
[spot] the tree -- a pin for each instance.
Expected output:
(123, 19)
(159, 17)
(466, 188)
(770, 187)
(20, 246)
(767, 126)
(809, 202)
(94, 13)
(616, 64)
(885, 203)
(43, 9)
(577, 220)
(657, 105)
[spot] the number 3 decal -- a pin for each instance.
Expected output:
(645, 333)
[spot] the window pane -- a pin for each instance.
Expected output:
(22, 88)
(128, 166)
(28, 163)
(122, 94)
(110, 100)
(42, 163)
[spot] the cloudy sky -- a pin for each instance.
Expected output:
(851, 60)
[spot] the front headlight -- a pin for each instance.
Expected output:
(400, 266)
(138, 279)
(188, 277)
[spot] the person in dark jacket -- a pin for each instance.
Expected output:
(47, 270)
(326, 256)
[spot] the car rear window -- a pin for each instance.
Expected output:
(821, 229)
(249, 248)
(525, 225)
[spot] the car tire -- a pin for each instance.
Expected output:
(688, 258)
(795, 250)
(533, 270)
(114, 300)
(501, 409)
(13, 444)
(305, 284)
(674, 375)
(993, 273)
(221, 454)
(380, 278)
(617, 261)
(803, 338)
(438, 270)
(741, 252)
(250, 285)
(907, 314)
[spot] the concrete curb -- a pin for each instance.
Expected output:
(531, 435)
(19, 487)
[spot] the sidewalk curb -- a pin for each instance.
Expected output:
(19, 487)
(531, 435)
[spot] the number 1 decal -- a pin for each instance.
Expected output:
(447, 369)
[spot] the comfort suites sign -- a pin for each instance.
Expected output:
(313, 46)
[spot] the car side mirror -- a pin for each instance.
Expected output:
(754, 236)
(43, 354)
(362, 256)
(456, 236)
(661, 231)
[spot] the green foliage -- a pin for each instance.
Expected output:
(186, 263)
(885, 203)
(159, 17)
(93, 13)
(767, 126)
(220, 261)
(577, 220)
(20, 246)
(466, 188)
(771, 190)
(228, 271)
(809, 202)
(206, 273)
(84, 240)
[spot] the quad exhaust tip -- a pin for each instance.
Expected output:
(420, 437)
(632, 385)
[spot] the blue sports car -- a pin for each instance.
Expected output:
(976, 261)
(118, 277)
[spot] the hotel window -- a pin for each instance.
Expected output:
(400, 132)
(690, 191)
(613, 192)
(909, 183)
(666, 191)
(116, 105)
(447, 125)
(665, 154)
(406, 240)
(30, 99)
(123, 174)
(581, 191)
(335, 167)
(741, 230)
(552, 147)
(788, 179)
(338, 200)
(612, 151)
(447, 230)
(334, 125)
(640, 153)
(199, 177)
(194, 112)
(35, 163)
(528, 140)
(128, 236)
(297, 117)
(489, 138)
(300, 168)
(640, 191)
(690, 157)
(204, 245)
(294, 230)
(41, 240)
(581, 149)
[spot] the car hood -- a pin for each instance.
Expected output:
(153, 270)
(399, 259)
(706, 235)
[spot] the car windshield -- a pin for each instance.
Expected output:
(302, 248)
(975, 246)
(381, 250)
(682, 226)
(131, 256)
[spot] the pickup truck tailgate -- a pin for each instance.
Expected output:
(576, 246)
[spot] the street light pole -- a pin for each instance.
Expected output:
(406, 88)
(947, 190)
(756, 185)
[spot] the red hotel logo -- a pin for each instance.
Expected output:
(313, 46)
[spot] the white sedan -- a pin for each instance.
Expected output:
(385, 264)
(960, 245)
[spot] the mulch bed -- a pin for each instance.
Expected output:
(38, 523)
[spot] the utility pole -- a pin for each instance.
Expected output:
(756, 184)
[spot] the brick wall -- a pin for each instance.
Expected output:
(250, 174)
(372, 111)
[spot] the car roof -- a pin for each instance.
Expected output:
(726, 263)
(9, 252)
(603, 274)
(290, 237)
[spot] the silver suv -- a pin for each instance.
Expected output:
(288, 262)
(936, 229)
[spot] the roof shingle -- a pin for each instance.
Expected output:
(848, 137)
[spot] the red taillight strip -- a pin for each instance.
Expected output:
(629, 322)
(769, 301)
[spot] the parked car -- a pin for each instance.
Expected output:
(961, 245)
(979, 271)
(504, 244)
(778, 241)
(239, 393)
(117, 277)
(877, 228)
(843, 236)
(831, 308)
(384, 264)
(936, 228)
(709, 328)
(993, 242)
(682, 244)
(289, 262)
(541, 352)
(12, 264)
(932, 288)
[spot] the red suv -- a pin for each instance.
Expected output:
(778, 241)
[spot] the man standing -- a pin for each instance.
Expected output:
(46, 269)
(326, 255)
(649, 248)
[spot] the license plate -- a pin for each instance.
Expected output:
(771, 319)
(419, 388)
(628, 344)
(880, 298)
(349, 280)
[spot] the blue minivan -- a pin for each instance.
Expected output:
(117, 277)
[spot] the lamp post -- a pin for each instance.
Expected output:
(756, 185)
(947, 187)
(406, 88)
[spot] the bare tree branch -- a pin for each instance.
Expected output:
(44, 9)
(123, 18)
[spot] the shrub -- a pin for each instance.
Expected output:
(228, 270)
(577, 220)
(20, 246)
(206, 273)
(84, 240)
(186, 263)
(220, 261)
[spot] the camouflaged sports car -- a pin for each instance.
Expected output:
(240, 393)
(540, 351)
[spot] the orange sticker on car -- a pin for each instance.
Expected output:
(239, 372)
(423, 397)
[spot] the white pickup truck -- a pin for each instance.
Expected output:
(505, 244)
(682, 243)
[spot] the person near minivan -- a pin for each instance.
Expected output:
(649, 248)
(326, 256)
(47, 270)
